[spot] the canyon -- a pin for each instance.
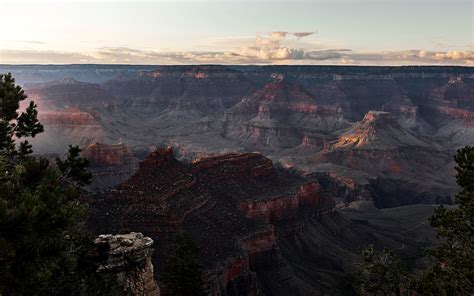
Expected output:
(259, 227)
(279, 173)
(298, 116)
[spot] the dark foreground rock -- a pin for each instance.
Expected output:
(128, 257)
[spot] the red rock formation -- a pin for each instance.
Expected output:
(71, 116)
(281, 206)
(456, 92)
(261, 248)
(214, 200)
(200, 75)
(107, 155)
(233, 165)
(315, 141)
(401, 106)
(456, 113)
(378, 130)
(158, 158)
(278, 115)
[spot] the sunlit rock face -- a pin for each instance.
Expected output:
(229, 204)
(378, 130)
(380, 146)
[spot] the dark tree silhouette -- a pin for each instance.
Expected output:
(451, 271)
(43, 239)
(183, 271)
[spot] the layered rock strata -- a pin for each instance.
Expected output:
(128, 257)
(227, 204)
(110, 164)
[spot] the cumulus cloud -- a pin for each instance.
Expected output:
(455, 55)
(269, 47)
(278, 47)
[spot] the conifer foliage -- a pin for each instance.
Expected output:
(42, 234)
(452, 272)
(182, 275)
(451, 268)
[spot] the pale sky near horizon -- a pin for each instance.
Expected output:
(238, 32)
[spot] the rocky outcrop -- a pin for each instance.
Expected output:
(128, 257)
(105, 155)
(279, 115)
(378, 130)
(380, 146)
(110, 165)
(407, 114)
(345, 188)
(280, 207)
(456, 92)
(158, 158)
(465, 116)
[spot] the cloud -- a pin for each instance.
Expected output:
(455, 55)
(269, 47)
(43, 57)
(30, 41)
(278, 35)
(277, 47)
(284, 34)
(26, 41)
(303, 34)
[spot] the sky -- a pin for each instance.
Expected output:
(324, 32)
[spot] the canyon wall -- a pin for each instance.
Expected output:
(305, 116)
(229, 205)
(110, 165)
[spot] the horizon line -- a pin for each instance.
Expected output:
(246, 65)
